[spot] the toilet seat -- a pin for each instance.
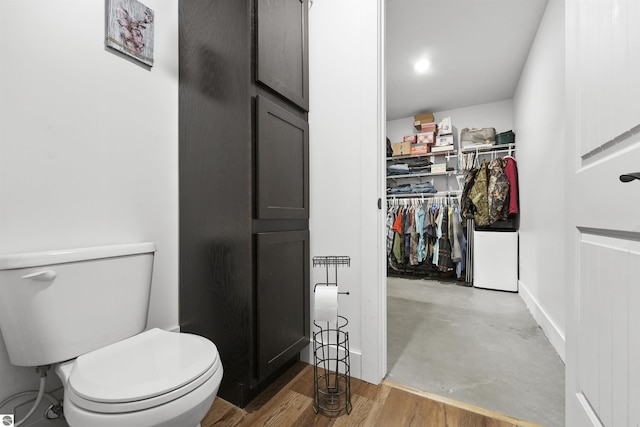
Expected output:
(141, 372)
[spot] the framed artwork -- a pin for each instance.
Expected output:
(130, 29)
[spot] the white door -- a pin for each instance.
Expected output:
(603, 213)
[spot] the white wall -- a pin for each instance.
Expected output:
(346, 173)
(539, 123)
(88, 144)
(498, 115)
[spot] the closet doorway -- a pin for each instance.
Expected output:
(444, 335)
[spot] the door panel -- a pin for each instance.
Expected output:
(282, 163)
(282, 48)
(282, 295)
(603, 124)
(609, 269)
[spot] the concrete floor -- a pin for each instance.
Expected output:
(477, 346)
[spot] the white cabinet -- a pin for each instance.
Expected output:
(495, 260)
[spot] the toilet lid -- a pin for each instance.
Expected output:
(146, 365)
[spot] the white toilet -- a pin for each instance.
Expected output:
(85, 310)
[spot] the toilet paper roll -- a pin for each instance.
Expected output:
(326, 303)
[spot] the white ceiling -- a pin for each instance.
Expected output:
(477, 50)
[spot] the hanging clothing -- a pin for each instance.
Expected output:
(478, 195)
(497, 191)
(422, 253)
(414, 239)
(406, 226)
(444, 245)
(511, 172)
(461, 266)
(438, 228)
(397, 224)
(398, 237)
(466, 204)
(422, 237)
(390, 231)
(456, 236)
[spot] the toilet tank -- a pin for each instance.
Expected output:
(57, 305)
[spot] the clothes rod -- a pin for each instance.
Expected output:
(425, 195)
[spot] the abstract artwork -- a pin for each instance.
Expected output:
(130, 29)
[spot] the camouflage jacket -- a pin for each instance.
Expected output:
(498, 191)
(478, 195)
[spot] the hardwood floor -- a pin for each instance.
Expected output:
(289, 402)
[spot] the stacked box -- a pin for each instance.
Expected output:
(422, 118)
(410, 138)
(444, 140)
(507, 137)
(401, 148)
(419, 149)
(439, 168)
(428, 127)
(425, 138)
(445, 127)
(442, 148)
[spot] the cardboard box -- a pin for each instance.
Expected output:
(425, 138)
(428, 127)
(444, 126)
(441, 148)
(410, 138)
(439, 168)
(444, 140)
(401, 148)
(422, 118)
(419, 149)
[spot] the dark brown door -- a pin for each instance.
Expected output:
(282, 162)
(282, 297)
(282, 48)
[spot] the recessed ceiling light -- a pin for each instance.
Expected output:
(422, 66)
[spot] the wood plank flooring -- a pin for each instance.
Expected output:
(289, 402)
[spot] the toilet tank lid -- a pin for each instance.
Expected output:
(62, 256)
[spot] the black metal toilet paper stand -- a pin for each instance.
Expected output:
(331, 368)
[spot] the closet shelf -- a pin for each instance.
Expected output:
(419, 156)
(408, 157)
(425, 174)
(490, 149)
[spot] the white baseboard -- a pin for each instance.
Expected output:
(551, 330)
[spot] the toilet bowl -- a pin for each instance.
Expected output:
(156, 378)
(85, 312)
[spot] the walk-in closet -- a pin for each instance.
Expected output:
(445, 198)
(452, 227)
(457, 325)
